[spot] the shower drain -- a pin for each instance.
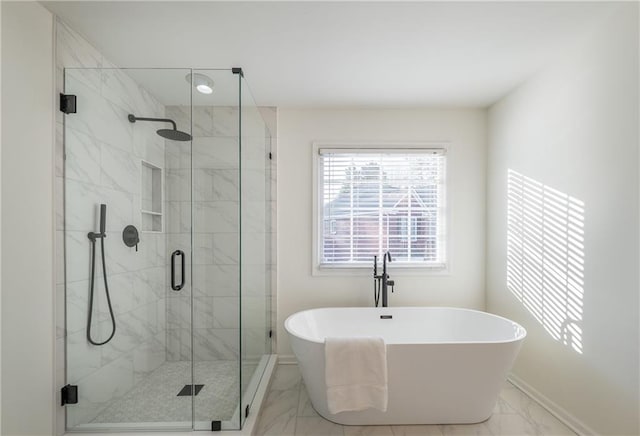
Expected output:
(187, 389)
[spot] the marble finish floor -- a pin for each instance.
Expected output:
(154, 399)
(287, 411)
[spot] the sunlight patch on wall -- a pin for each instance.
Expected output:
(545, 256)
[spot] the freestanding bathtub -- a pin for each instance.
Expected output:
(444, 365)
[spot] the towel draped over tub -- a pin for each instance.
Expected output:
(356, 373)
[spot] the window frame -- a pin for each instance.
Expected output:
(363, 269)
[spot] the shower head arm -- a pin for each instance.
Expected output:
(133, 119)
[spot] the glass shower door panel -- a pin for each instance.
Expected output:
(255, 247)
(216, 236)
(130, 377)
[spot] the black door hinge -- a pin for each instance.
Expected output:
(216, 425)
(270, 156)
(68, 103)
(246, 411)
(270, 333)
(69, 395)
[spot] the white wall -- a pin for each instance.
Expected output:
(298, 289)
(27, 219)
(574, 127)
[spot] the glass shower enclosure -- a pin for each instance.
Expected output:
(166, 233)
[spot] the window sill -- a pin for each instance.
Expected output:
(393, 269)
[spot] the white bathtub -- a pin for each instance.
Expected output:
(445, 365)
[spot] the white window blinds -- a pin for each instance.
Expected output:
(374, 200)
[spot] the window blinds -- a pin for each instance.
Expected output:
(374, 200)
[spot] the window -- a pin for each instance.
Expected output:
(374, 200)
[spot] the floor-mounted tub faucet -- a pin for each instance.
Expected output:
(381, 282)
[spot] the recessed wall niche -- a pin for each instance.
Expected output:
(151, 193)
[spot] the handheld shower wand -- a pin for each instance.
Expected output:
(92, 237)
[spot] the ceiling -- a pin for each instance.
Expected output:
(382, 54)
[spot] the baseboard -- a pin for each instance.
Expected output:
(287, 359)
(567, 418)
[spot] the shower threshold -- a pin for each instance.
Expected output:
(184, 427)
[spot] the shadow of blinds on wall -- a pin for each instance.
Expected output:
(545, 256)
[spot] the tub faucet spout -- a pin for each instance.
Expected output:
(382, 281)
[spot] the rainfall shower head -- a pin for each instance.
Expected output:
(173, 134)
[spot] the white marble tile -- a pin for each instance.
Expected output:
(178, 217)
(254, 280)
(254, 187)
(203, 184)
(287, 377)
(177, 154)
(466, 429)
(82, 357)
(120, 170)
(316, 426)
(147, 144)
(216, 153)
(225, 184)
(216, 217)
(278, 416)
(226, 248)
(510, 424)
(216, 280)
(254, 343)
(101, 119)
(178, 312)
(83, 207)
(73, 51)
(82, 157)
(203, 121)
(203, 312)
(544, 423)
(148, 285)
(225, 121)
(178, 184)
(146, 320)
(371, 430)
(109, 382)
(129, 335)
(216, 344)
(161, 316)
(305, 408)
(78, 256)
(147, 357)
(181, 115)
(203, 251)
(254, 216)
(226, 312)
(416, 430)
(121, 89)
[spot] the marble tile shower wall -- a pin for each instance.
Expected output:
(215, 234)
(103, 163)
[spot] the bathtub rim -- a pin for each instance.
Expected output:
(520, 337)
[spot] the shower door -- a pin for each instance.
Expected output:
(142, 377)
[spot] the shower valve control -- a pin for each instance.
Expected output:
(130, 236)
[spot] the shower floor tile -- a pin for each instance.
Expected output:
(154, 399)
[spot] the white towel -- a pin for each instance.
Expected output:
(355, 373)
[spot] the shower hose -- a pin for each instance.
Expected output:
(106, 290)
